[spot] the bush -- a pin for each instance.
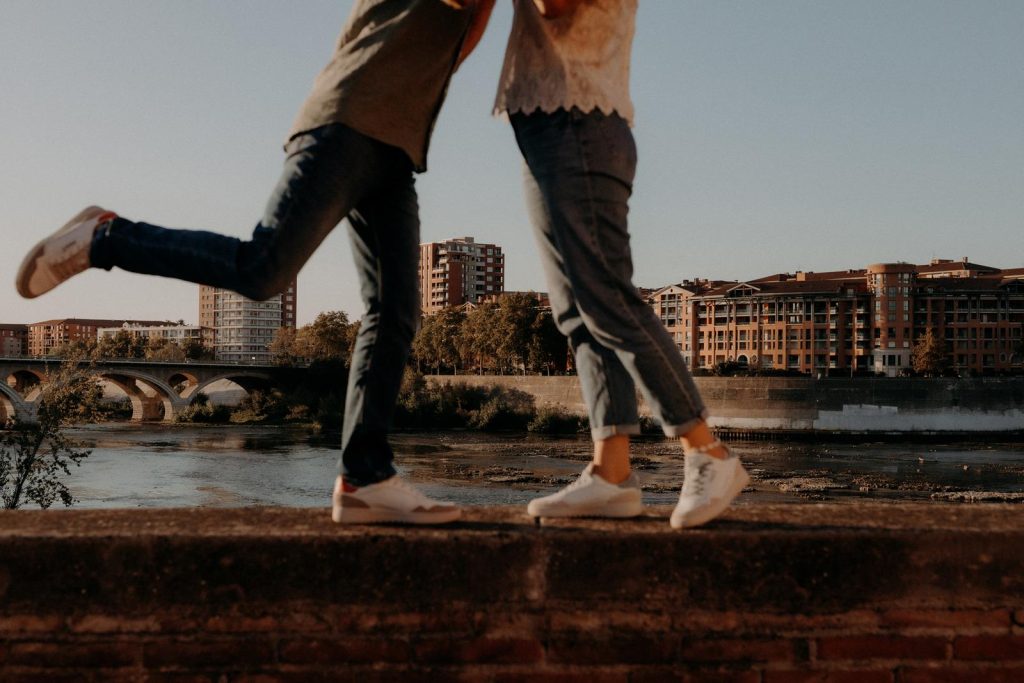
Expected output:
(204, 412)
(505, 409)
(556, 420)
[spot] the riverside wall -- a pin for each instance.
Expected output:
(830, 405)
(865, 593)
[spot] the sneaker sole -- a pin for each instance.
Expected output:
(27, 268)
(348, 515)
(717, 506)
(616, 510)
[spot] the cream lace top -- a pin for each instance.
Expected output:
(579, 60)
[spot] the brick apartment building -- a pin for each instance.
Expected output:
(13, 340)
(179, 333)
(850, 321)
(44, 337)
(240, 329)
(459, 271)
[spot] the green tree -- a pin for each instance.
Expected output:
(161, 349)
(479, 337)
(122, 344)
(928, 357)
(78, 348)
(34, 456)
(329, 337)
(436, 344)
(548, 348)
(514, 318)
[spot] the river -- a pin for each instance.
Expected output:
(182, 466)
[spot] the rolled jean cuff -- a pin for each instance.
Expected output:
(375, 476)
(608, 431)
(684, 428)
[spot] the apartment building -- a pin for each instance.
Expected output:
(459, 271)
(851, 321)
(242, 329)
(13, 340)
(44, 337)
(180, 334)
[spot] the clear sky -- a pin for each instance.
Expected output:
(773, 136)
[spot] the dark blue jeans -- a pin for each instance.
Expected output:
(579, 177)
(330, 174)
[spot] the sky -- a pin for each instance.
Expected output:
(773, 137)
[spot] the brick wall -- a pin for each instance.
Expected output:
(772, 594)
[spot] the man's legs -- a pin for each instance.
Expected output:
(326, 173)
(384, 231)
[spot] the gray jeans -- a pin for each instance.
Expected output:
(578, 177)
(330, 173)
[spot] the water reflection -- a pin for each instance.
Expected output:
(172, 466)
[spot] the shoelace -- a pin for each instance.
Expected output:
(695, 485)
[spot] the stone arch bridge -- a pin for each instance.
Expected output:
(158, 391)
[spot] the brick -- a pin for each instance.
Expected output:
(189, 654)
(681, 675)
(29, 623)
(487, 650)
(973, 675)
(947, 619)
(614, 621)
(873, 676)
(344, 651)
(290, 623)
(881, 647)
(634, 649)
(95, 655)
(563, 677)
(992, 648)
(104, 624)
(741, 650)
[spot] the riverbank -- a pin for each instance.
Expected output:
(818, 407)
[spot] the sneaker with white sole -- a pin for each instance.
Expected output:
(591, 496)
(391, 500)
(62, 255)
(709, 487)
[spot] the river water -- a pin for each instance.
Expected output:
(182, 466)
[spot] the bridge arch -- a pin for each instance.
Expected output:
(25, 380)
(12, 405)
(152, 398)
(247, 379)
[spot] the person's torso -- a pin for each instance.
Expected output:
(389, 72)
(579, 60)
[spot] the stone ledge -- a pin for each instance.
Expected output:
(777, 592)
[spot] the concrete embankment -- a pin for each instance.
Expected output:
(832, 405)
(769, 594)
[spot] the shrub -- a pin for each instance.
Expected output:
(556, 420)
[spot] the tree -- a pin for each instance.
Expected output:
(329, 337)
(122, 344)
(35, 455)
(161, 349)
(436, 344)
(514, 320)
(548, 349)
(929, 356)
(479, 337)
(282, 348)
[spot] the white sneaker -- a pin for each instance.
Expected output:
(62, 255)
(591, 496)
(709, 486)
(392, 500)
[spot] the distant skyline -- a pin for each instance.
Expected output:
(773, 137)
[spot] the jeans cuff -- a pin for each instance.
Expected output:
(684, 428)
(99, 248)
(608, 431)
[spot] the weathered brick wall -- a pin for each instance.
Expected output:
(772, 594)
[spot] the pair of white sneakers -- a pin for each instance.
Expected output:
(709, 487)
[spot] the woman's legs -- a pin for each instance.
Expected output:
(580, 176)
